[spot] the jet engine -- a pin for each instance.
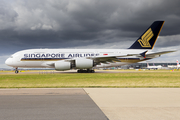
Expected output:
(84, 63)
(62, 65)
(77, 63)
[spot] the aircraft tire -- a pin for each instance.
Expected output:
(85, 71)
(92, 71)
(16, 71)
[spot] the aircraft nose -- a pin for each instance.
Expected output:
(9, 62)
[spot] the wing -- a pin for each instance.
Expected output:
(112, 59)
(106, 59)
(115, 58)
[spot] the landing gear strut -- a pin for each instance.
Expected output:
(16, 71)
(85, 71)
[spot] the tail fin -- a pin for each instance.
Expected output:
(147, 65)
(177, 63)
(148, 39)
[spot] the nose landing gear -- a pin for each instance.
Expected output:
(16, 71)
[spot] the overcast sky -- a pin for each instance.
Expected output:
(26, 24)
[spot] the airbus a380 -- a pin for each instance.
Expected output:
(85, 60)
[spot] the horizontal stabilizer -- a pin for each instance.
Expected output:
(158, 53)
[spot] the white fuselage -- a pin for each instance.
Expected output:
(66, 59)
(154, 67)
(44, 58)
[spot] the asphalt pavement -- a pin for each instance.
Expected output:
(48, 104)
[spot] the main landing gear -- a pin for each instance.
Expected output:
(85, 71)
(16, 71)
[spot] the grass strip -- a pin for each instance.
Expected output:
(97, 80)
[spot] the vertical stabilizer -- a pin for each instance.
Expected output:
(148, 39)
(147, 65)
(177, 63)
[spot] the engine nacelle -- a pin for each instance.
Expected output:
(62, 65)
(84, 63)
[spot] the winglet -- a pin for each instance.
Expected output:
(148, 39)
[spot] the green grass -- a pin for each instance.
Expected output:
(136, 79)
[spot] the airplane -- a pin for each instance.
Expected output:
(174, 66)
(153, 67)
(86, 60)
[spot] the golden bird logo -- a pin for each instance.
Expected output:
(144, 41)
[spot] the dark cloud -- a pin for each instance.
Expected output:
(77, 23)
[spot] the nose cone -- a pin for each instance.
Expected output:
(9, 62)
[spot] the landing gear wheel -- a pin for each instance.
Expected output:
(92, 71)
(85, 71)
(16, 71)
(79, 71)
(88, 71)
